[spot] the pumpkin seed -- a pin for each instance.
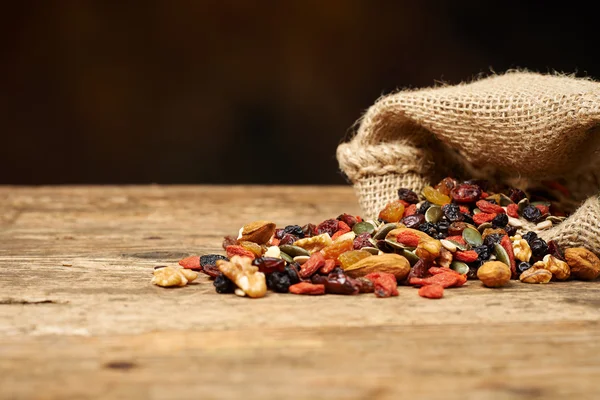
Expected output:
(476, 211)
(410, 256)
(522, 204)
(505, 200)
(433, 214)
(448, 245)
(485, 226)
(301, 259)
(554, 219)
(293, 251)
(501, 254)
(459, 267)
(459, 246)
(472, 236)
(363, 227)
(544, 225)
(383, 230)
(541, 203)
(286, 257)
(515, 222)
(372, 250)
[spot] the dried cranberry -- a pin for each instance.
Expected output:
(309, 230)
(452, 212)
(516, 195)
(466, 193)
(362, 240)
(295, 230)
(279, 233)
(413, 221)
(269, 264)
(555, 251)
(288, 239)
(348, 219)
(329, 226)
(408, 195)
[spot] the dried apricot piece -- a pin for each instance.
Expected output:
(435, 196)
(392, 212)
(432, 291)
(352, 257)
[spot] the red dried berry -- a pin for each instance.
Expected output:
(407, 238)
(342, 229)
(507, 245)
(362, 240)
(268, 265)
(489, 208)
(465, 210)
(432, 291)
(236, 250)
(312, 265)
(466, 256)
(288, 238)
(483, 217)
(228, 241)
(329, 226)
(444, 280)
(457, 239)
(466, 193)
(192, 262)
(512, 210)
(328, 267)
(460, 278)
(385, 284)
(307, 288)
(410, 210)
(544, 209)
(348, 219)
(484, 195)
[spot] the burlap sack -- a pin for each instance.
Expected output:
(520, 128)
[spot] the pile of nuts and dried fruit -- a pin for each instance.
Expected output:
(455, 232)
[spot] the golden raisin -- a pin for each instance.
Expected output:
(253, 247)
(435, 196)
(392, 212)
(333, 251)
(352, 257)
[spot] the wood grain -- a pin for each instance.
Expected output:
(80, 319)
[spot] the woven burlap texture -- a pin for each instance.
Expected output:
(517, 127)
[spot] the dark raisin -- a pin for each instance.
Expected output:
(468, 219)
(531, 213)
(292, 271)
(483, 252)
(309, 230)
(419, 270)
(223, 284)
(491, 240)
(516, 195)
(211, 270)
(522, 266)
(510, 230)
(452, 212)
(500, 221)
(472, 274)
(443, 226)
(555, 251)
(348, 219)
(456, 228)
(279, 233)
(408, 195)
(529, 236)
(295, 230)
(279, 282)
(337, 283)
(424, 207)
(362, 240)
(211, 259)
(539, 247)
(228, 241)
(428, 228)
(482, 183)
(329, 226)
(466, 193)
(412, 221)
(288, 238)
(383, 246)
(269, 264)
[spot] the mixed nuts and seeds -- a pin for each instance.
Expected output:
(454, 232)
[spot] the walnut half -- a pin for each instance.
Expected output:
(245, 275)
(584, 264)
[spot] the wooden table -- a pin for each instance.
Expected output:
(80, 319)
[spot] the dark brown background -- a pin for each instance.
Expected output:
(239, 91)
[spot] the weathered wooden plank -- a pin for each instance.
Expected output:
(75, 295)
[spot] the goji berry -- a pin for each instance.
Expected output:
(489, 208)
(460, 278)
(543, 208)
(457, 239)
(512, 210)
(507, 245)
(484, 195)
(465, 210)
(466, 256)
(483, 217)
(410, 210)
(342, 229)
(432, 291)
(312, 265)
(385, 284)
(444, 280)
(327, 267)
(192, 262)
(407, 238)
(236, 250)
(359, 219)
(307, 288)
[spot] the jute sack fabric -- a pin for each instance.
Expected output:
(520, 128)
